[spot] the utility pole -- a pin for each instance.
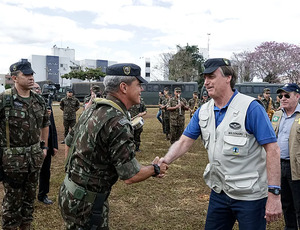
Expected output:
(208, 34)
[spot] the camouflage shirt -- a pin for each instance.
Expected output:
(165, 111)
(176, 118)
(69, 106)
(26, 117)
(266, 103)
(136, 109)
(192, 103)
(104, 147)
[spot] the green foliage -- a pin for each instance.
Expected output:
(89, 74)
(186, 64)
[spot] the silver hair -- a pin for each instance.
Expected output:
(112, 83)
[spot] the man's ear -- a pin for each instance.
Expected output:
(13, 77)
(123, 87)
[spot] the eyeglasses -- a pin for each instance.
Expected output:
(285, 95)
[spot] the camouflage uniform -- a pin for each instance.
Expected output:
(166, 118)
(102, 150)
(22, 155)
(134, 111)
(193, 103)
(69, 106)
(176, 119)
(266, 103)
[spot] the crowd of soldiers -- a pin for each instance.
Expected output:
(173, 111)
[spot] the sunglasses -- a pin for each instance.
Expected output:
(285, 95)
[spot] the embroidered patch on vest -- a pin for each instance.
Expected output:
(234, 125)
(235, 150)
(275, 119)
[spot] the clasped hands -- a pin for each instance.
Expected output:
(163, 166)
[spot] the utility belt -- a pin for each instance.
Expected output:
(22, 150)
(80, 193)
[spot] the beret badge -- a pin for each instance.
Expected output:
(127, 70)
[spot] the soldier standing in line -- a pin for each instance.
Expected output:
(69, 105)
(136, 111)
(193, 103)
(95, 92)
(268, 102)
(162, 99)
(204, 99)
(177, 106)
(166, 115)
(101, 150)
(24, 122)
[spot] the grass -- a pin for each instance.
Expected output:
(178, 201)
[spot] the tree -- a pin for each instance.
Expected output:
(89, 74)
(272, 62)
(242, 64)
(186, 64)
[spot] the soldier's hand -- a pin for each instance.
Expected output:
(44, 153)
(163, 169)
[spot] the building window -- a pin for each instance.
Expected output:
(147, 74)
(147, 64)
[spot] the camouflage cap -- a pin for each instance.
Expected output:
(96, 88)
(166, 88)
(266, 90)
(195, 92)
(177, 89)
(23, 66)
(126, 69)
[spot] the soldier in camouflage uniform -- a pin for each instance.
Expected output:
(204, 99)
(268, 102)
(166, 115)
(101, 150)
(136, 111)
(24, 123)
(69, 105)
(95, 92)
(177, 106)
(193, 103)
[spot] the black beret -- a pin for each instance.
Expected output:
(23, 66)
(125, 69)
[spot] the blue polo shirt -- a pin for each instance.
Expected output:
(257, 122)
(285, 126)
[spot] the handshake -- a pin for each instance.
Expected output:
(160, 167)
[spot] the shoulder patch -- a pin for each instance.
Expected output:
(275, 118)
(124, 121)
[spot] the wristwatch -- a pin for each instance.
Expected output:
(156, 170)
(274, 190)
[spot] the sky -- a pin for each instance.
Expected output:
(129, 30)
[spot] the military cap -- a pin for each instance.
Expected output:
(214, 63)
(96, 88)
(166, 88)
(290, 87)
(125, 69)
(70, 90)
(205, 94)
(177, 89)
(23, 66)
(266, 90)
(195, 92)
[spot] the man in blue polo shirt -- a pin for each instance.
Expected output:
(244, 158)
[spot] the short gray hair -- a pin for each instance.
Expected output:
(112, 83)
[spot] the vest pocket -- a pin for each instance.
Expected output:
(203, 121)
(235, 146)
(298, 134)
(243, 183)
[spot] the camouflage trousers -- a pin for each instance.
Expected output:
(176, 132)
(166, 125)
(77, 213)
(18, 201)
(68, 124)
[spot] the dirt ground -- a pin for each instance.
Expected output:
(178, 201)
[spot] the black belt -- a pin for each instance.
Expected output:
(285, 160)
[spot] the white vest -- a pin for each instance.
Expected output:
(237, 162)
